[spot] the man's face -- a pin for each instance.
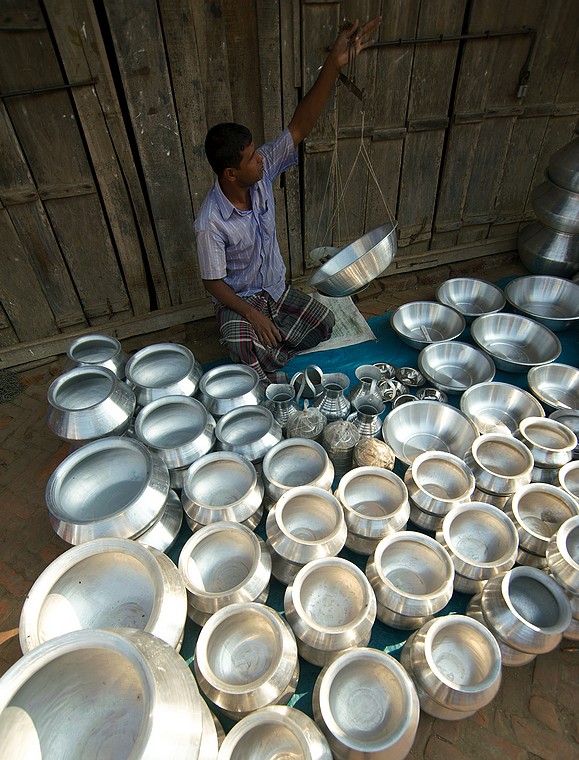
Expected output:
(251, 166)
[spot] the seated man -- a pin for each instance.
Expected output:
(262, 321)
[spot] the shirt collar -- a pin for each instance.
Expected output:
(226, 207)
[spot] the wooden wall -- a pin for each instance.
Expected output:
(105, 105)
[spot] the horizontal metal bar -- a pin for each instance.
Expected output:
(452, 38)
(48, 88)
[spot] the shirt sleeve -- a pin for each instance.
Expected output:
(279, 154)
(211, 254)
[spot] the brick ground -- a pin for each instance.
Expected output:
(533, 716)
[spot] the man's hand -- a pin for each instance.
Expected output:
(264, 328)
(350, 42)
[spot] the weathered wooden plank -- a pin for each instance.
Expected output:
(364, 67)
(7, 335)
(180, 36)
(101, 149)
(21, 294)
(138, 42)
(386, 156)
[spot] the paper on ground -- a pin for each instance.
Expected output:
(350, 327)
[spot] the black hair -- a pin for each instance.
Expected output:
(224, 144)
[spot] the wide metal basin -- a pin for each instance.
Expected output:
(454, 367)
(471, 297)
(551, 301)
(419, 323)
(499, 407)
(556, 386)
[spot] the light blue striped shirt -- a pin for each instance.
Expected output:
(240, 247)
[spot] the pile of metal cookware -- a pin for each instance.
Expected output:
(370, 506)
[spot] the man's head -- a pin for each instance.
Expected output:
(224, 146)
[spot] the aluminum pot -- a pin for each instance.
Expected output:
(480, 539)
(87, 403)
(119, 693)
(425, 520)
(105, 583)
(437, 481)
(544, 250)
(252, 521)
(510, 658)
(177, 428)
(97, 351)
(113, 487)
(163, 369)
(564, 166)
(163, 533)
(219, 486)
(411, 574)
(500, 463)
(375, 503)
(569, 478)
(490, 498)
(550, 442)
(246, 658)
(556, 207)
(275, 731)
(456, 663)
(306, 523)
(330, 607)
(526, 609)
(296, 462)
(224, 388)
(538, 511)
(563, 555)
(248, 430)
(367, 706)
(222, 564)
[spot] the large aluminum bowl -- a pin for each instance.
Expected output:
(97, 351)
(419, 323)
(229, 386)
(276, 731)
(163, 369)
(177, 428)
(499, 407)
(412, 429)
(437, 481)
(563, 555)
(551, 301)
(246, 657)
(454, 367)
(330, 607)
(471, 297)
(87, 402)
(296, 462)
(515, 343)
(355, 266)
(555, 385)
(105, 583)
(556, 207)
(500, 463)
(113, 487)
(367, 706)
(93, 693)
(543, 250)
(248, 430)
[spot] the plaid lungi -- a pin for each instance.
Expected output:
(302, 320)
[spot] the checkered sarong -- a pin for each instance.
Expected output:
(301, 319)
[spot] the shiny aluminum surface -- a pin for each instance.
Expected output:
(333, 402)
(163, 369)
(550, 442)
(500, 463)
(556, 386)
(422, 322)
(248, 430)
(470, 297)
(548, 475)
(437, 481)
(105, 583)
(246, 657)
(499, 407)
(510, 658)
(252, 521)
(296, 462)
(490, 498)
(330, 607)
(556, 207)
(544, 250)
(229, 386)
(564, 166)
(412, 429)
(224, 563)
(570, 418)
(113, 487)
(515, 343)
(431, 394)
(367, 706)
(526, 609)
(276, 731)
(368, 376)
(411, 573)
(163, 533)
(88, 402)
(281, 402)
(456, 661)
(481, 540)
(552, 301)
(424, 520)
(454, 367)
(356, 265)
(375, 503)
(569, 478)
(530, 559)
(563, 555)
(366, 416)
(120, 694)
(178, 428)
(97, 350)
(410, 377)
(538, 511)
(221, 485)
